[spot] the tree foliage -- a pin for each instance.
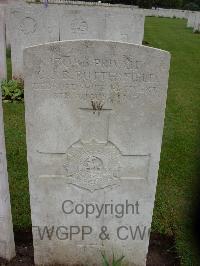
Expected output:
(191, 6)
(170, 3)
(145, 3)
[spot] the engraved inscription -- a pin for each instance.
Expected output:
(105, 79)
(124, 37)
(104, 93)
(78, 25)
(51, 29)
(28, 25)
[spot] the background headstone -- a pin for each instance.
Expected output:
(7, 246)
(94, 117)
(30, 25)
(124, 25)
(101, 22)
(191, 19)
(197, 23)
(33, 24)
(168, 13)
(3, 65)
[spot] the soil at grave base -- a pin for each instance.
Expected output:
(161, 252)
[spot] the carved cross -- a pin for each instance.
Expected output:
(95, 162)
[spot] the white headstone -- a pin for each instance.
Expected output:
(30, 25)
(197, 23)
(3, 65)
(101, 22)
(7, 246)
(124, 25)
(33, 24)
(4, 6)
(181, 14)
(94, 116)
(191, 19)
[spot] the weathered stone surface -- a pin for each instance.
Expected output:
(191, 19)
(159, 12)
(94, 117)
(100, 22)
(33, 24)
(30, 25)
(3, 68)
(7, 246)
(3, 6)
(197, 23)
(6, 4)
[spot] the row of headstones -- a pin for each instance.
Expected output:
(192, 17)
(167, 13)
(194, 21)
(158, 12)
(30, 24)
(94, 122)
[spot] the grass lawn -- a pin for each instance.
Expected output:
(179, 164)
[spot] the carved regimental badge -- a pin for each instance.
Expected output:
(92, 166)
(94, 162)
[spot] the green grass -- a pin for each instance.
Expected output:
(9, 65)
(180, 152)
(17, 164)
(178, 175)
(16, 156)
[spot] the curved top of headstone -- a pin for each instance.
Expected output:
(129, 56)
(90, 43)
(97, 62)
